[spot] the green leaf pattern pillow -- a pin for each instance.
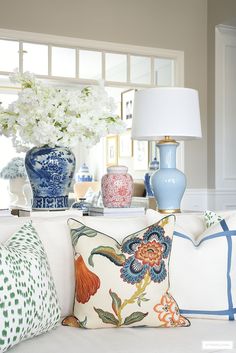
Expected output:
(28, 299)
(211, 218)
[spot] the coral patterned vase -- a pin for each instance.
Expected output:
(117, 187)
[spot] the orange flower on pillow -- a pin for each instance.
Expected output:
(86, 282)
(168, 312)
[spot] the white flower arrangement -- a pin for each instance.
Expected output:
(44, 115)
(14, 169)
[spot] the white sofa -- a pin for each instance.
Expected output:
(55, 236)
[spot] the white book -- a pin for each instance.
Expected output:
(5, 213)
(118, 210)
(116, 215)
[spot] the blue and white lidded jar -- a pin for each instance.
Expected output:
(83, 174)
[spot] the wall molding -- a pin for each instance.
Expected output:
(213, 199)
(226, 29)
(225, 72)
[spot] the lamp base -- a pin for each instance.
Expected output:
(168, 183)
(168, 211)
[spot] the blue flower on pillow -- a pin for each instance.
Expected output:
(147, 256)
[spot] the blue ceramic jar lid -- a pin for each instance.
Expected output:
(154, 164)
(84, 169)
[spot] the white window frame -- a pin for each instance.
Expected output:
(86, 44)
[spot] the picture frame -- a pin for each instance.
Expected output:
(125, 145)
(111, 150)
(140, 155)
(153, 151)
(127, 104)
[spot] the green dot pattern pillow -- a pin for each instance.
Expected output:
(211, 218)
(28, 299)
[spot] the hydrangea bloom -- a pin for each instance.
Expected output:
(14, 169)
(44, 115)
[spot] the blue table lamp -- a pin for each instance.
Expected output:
(165, 115)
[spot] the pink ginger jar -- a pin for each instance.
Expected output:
(117, 187)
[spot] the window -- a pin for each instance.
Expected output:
(73, 62)
(9, 55)
(63, 62)
(116, 67)
(35, 58)
(164, 72)
(90, 64)
(129, 66)
(140, 69)
(9, 152)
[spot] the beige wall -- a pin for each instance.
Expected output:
(219, 12)
(171, 24)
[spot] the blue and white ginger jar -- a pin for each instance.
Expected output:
(83, 174)
(50, 171)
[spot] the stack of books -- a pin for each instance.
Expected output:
(5, 213)
(33, 213)
(117, 212)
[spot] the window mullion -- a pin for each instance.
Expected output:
(103, 66)
(77, 63)
(21, 53)
(128, 68)
(49, 60)
(153, 82)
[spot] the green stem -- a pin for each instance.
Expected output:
(141, 287)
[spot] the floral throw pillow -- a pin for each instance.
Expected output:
(123, 284)
(28, 298)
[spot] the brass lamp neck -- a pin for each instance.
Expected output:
(167, 139)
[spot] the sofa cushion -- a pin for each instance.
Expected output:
(123, 284)
(28, 299)
(54, 233)
(202, 265)
(203, 271)
(135, 340)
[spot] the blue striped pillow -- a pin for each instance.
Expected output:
(203, 271)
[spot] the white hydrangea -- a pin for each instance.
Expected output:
(44, 115)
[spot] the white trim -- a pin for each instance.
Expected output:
(195, 200)
(212, 199)
(225, 38)
(70, 41)
(222, 199)
(226, 29)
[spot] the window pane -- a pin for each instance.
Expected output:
(9, 55)
(140, 69)
(116, 67)
(35, 58)
(6, 84)
(63, 62)
(90, 64)
(6, 99)
(164, 72)
(115, 93)
(9, 151)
